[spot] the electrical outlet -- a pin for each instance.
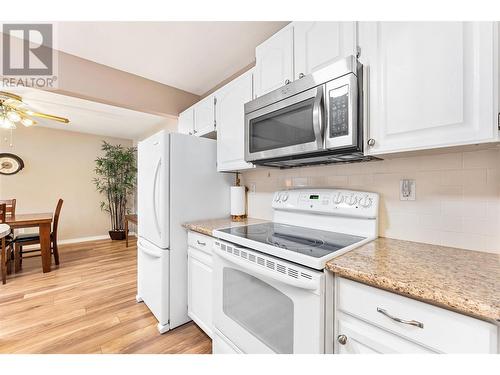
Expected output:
(407, 190)
(252, 187)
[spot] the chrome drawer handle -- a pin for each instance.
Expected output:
(410, 322)
(201, 243)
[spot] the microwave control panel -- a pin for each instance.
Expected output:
(339, 111)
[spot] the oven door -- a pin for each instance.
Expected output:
(291, 126)
(341, 101)
(260, 310)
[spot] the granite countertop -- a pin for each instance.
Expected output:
(208, 226)
(464, 281)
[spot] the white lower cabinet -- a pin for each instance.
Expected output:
(200, 281)
(370, 320)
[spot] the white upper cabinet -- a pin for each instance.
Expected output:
(274, 62)
(204, 116)
(318, 44)
(185, 124)
(431, 84)
(230, 115)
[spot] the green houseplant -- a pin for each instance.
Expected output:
(116, 179)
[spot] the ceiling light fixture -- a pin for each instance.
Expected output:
(5, 123)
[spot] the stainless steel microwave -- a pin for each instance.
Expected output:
(314, 120)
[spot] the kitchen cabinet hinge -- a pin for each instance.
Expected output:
(358, 51)
(215, 101)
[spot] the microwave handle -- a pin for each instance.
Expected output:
(318, 115)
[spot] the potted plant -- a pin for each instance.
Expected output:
(116, 179)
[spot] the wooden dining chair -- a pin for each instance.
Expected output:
(10, 205)
(5, 246)
(33, 239)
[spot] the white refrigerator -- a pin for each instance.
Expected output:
(177, 182)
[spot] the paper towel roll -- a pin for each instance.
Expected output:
(237, 200)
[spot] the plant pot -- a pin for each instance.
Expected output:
(117, 235)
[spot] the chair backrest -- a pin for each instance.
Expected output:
(10, 205)
(3, 212)
(56, 218)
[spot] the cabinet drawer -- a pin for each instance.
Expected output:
(442, 330)
(364, 338)
(200, 242)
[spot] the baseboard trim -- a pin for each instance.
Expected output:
(77, 240)
(83, 239)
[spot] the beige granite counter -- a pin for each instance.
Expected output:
(461, 280)
(208, 226)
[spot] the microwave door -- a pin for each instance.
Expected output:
(342, 113)
(291, 126)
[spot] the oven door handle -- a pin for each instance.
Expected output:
(318, 116)
(266, 273)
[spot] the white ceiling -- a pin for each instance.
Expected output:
(91, 117)
(192, 56)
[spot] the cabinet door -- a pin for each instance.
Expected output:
(318, 44)
(274, 62)
(186, 121)
(431, 84)
(200, 289)
(230, 115)
(204, 116)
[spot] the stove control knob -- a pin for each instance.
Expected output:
(338, 198)
(366, 202)
(351, 200)
(284, 198)
(277, 198)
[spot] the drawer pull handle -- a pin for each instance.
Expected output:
(201, 243)
(410, 322)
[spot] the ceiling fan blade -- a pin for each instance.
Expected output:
(46, 116)
(10, 96)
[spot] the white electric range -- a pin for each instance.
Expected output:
(269, 294)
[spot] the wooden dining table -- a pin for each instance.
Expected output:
(43, 221)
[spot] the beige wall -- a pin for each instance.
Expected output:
(458, 195)
(58, 164)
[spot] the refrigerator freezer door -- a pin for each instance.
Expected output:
(153, 280)
(153, 189)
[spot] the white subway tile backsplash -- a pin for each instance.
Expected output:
(337, 181)
(457, 195)
(482, 159)
(463, 177)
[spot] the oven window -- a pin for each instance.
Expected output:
(261, 309)
(289, 126)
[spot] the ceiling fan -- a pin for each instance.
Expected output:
(13, 111)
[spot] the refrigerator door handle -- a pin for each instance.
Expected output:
(149, 252)
(155, 182)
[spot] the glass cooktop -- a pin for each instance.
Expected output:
(312, 242)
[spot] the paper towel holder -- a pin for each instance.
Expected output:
(243, 216)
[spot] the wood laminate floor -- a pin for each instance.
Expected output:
(87, 305)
